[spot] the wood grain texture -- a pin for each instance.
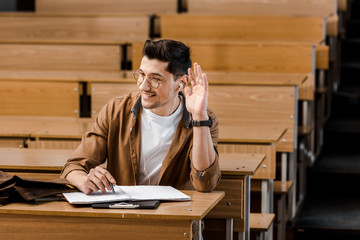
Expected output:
(261, 221)
(42, 227)
(239, 164)
(103, 92)
(107, 6)
(307, 8)
(305, 30)
(200, 205)
(266, 106)
(42, 160)
(59, 57)
(267, 168)
(253, 56)
(21, 98)
(65, 28)
(232, 205)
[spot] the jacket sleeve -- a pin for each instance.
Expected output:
(207, 180)
(93, 147)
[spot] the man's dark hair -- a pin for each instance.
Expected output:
(175, 53)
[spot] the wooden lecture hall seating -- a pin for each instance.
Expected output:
(271, 65)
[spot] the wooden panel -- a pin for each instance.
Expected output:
(22, 226)
(54, 144)
(36, 175)
(72, 28)
(306, 90)
(256, 105)
(267, 168)
(11, 142)
(136, 55)
(264, 28)
(103, 92)
(322, 57)
(318, 8)
(38, 98)
(253, 57)
(59, 57)
(64, 76)
(232, 205)
(107, 6)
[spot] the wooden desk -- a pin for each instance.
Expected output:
(235, 207)
(60, 220)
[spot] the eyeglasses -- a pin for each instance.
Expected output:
(152, 80)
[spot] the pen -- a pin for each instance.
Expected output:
(112, 187)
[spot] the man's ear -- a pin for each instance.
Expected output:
(183, 81)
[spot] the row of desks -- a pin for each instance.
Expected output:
(46, 164)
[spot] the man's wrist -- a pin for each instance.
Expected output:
(201, 117)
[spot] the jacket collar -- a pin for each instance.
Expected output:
(137, 105)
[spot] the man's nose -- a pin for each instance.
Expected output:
(144, 86)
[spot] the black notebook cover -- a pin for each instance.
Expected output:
(129, 205)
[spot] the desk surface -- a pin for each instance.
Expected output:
(196, 209)
(251, 134)
(240, 163)
(74, 128)
(33, 159)
(44, 127)
(52, 160)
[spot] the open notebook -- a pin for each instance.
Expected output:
(128, 193)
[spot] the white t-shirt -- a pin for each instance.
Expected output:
(157, 133)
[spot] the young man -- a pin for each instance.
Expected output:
(155, 136)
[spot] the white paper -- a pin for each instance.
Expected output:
(125, 193)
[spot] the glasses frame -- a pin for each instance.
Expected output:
(153, 83)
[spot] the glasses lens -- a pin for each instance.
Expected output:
(139, 77)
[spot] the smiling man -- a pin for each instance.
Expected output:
(157, 136)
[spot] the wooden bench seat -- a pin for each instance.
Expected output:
(261, 221)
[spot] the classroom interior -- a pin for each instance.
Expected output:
(283, 82)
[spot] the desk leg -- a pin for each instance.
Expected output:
(284, 167)
(247, 188)
(229, 228)
(281, 221)
(267, 196)
(196, 227)
(293, 178)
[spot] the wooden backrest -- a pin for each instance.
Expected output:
(103, 92)
(236, 27)
(108, 6)
(67, 28)
(60, 57)
(246, 56)
(23, 98)
(253, 57)
(318, 8)
(272, 106)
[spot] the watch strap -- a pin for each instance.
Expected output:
(206, 123)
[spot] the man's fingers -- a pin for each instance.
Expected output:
(105, 177)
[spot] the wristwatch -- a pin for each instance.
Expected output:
(206, 123)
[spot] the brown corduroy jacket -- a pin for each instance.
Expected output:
(115, 138)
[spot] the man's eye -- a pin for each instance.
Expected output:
(155, 79)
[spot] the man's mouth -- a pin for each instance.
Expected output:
(148, 94)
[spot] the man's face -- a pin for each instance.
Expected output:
(161, 100)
